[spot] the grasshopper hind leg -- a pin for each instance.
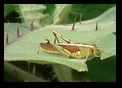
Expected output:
(61, 50)
(65, 39)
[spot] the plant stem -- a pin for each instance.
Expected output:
(21, 74)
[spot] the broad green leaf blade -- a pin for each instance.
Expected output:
(26, 47)
(11, 29)
(61, 13)
(26, 50)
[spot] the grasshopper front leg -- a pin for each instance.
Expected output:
(61, 50)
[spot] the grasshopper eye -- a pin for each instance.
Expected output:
(96, 52)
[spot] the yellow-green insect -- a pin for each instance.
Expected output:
(70, 49)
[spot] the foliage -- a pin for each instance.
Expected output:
(25, 46)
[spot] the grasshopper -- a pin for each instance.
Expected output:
(71, 49)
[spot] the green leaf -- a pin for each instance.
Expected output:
(88, 11)
(61, 13)
(33, 12)
(25, 48)
(8, 8)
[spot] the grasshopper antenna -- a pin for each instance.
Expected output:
(100, 38)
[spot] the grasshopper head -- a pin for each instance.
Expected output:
(96, 52)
